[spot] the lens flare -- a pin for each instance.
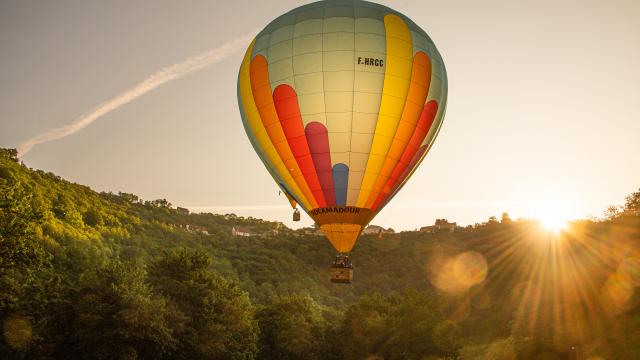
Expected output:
(17, 332)
(480, 297)
(630, 269)
(470, 268)
(617, 291)
(458, 309)
(456, 274)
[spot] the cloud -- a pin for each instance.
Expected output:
(161, 77)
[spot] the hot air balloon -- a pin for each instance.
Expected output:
(341, 101)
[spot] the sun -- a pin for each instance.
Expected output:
(554, 216)
(554, 222)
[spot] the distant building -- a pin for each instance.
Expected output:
(194, 228)
(315, 230)
(242, 231)
(375, 229)
(250, 231)
(441, 225)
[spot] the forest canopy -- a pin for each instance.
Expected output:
(104, 275)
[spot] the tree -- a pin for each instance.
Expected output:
(365, 327)
(160, 203)
(212, 317)
(291, 328)
(92, 217)
(129, 198)
(505, 219)
(120, 315)
(420, 329)
(612, 212)
(408, 327)
(22, 255)
(11, 154)
(632, 204)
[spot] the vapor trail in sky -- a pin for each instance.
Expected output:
(164, 75)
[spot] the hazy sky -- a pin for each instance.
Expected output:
(543, 112)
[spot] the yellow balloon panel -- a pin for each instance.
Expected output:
(342, 236)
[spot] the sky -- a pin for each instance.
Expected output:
(542, 119)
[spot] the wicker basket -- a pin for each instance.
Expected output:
(341, 274)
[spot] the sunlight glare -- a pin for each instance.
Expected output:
(554, 223)
(554, 216)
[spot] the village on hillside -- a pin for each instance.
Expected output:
(440, 225)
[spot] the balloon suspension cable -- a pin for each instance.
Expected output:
(385, 221)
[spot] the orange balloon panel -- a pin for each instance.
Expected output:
(342, 100)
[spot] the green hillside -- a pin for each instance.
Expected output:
(102, 275)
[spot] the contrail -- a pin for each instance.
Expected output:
(164, 75)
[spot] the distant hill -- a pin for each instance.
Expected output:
(168, 283)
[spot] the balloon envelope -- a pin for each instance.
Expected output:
(342, 100)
